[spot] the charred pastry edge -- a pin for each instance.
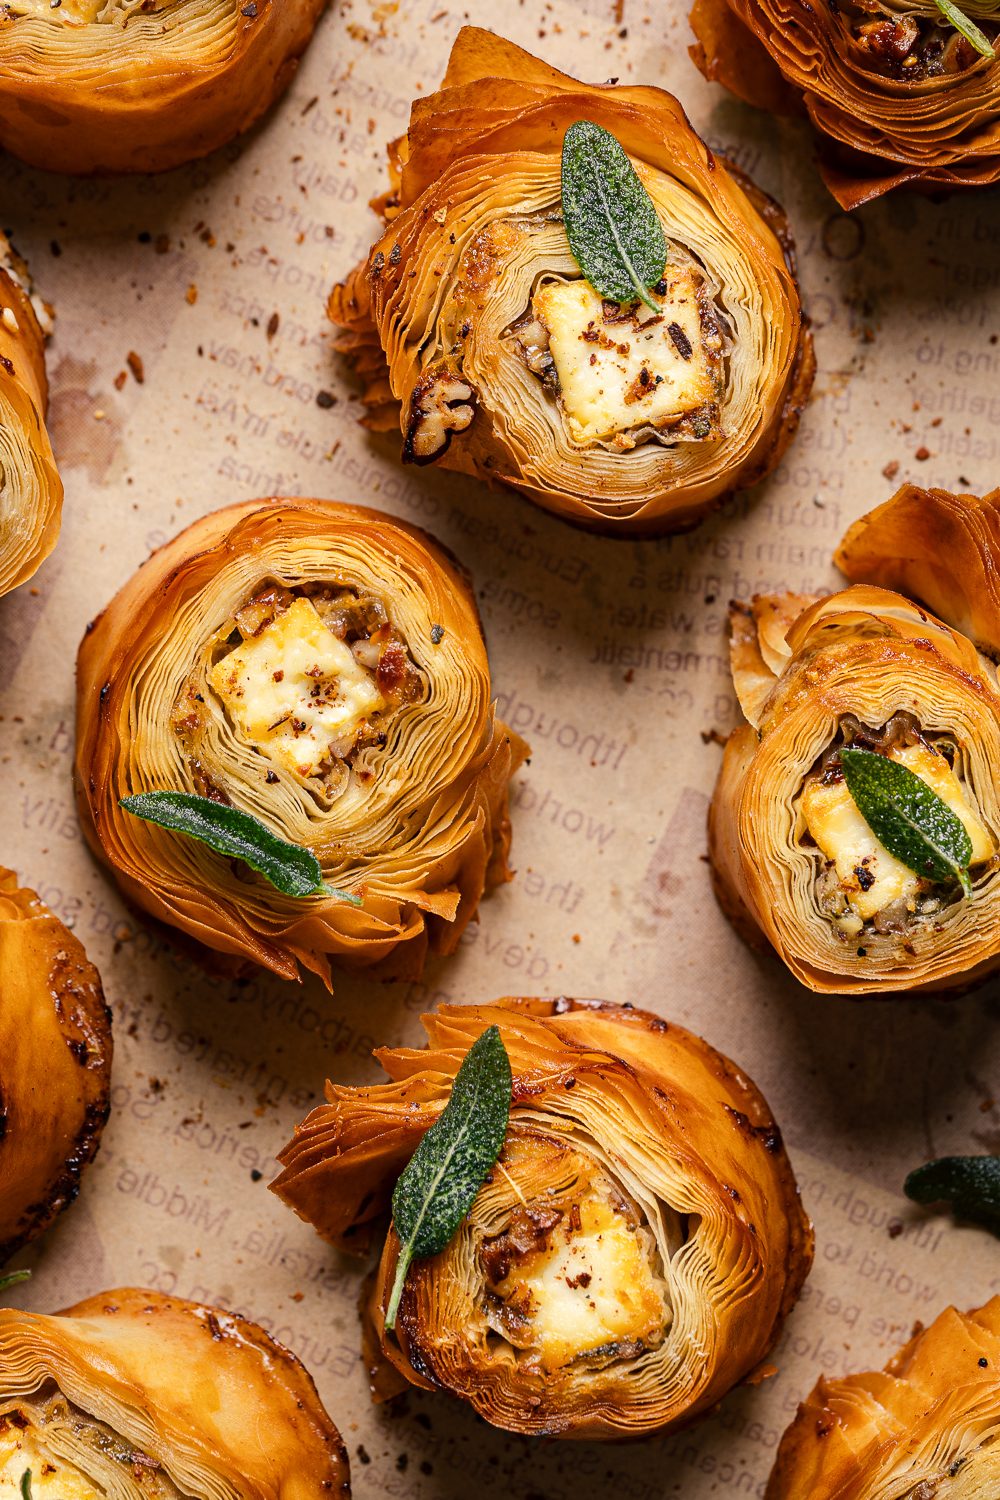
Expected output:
(83, 982)
(425, 408)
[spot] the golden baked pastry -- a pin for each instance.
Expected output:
(29, 482)
(321, 667)
(131, 1394)
(55, 1065)
(628, 1261)
(141, 85)
(477, 336)
(899, 95)
(795, 860)
(925, 1428)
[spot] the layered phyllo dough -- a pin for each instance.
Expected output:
(629, 1258)
(900, 94)
(141, 85)
(924, 1428)
(480, 338)
(30, 489)
(135, 1396)
(55, 1065)
(322, 668)
(796, 857)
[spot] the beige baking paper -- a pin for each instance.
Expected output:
(608, 656)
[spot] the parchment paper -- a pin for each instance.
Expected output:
(608, 656)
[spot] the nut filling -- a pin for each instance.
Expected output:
(575, 1275)
(909, 47)
(72, 1456)
(624, 375)
(861, 888)
(309, 678)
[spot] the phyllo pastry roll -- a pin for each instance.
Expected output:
(55, 1065)
(318, 670)
(141, 85)
(31, 492)
(927, 1427)
(900, 94)
(132, 1394)
(625, 406)
(629, 1258)
(855, 824)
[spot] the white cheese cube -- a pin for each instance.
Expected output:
(621, 368)
(295, 691)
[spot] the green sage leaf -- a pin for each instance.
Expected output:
(12, 1278)
(26, 1485)
(967, 27)
(291, 869)
(971, 1184)
(908, 817)
(440, 1183)
(611, 222)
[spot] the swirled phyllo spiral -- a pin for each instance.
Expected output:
(318, 671)
(629, 1258)
(141, 85)
(30, 489)
(927, 1427)
(132, 1394)
(900, 93)
(476, 330)
(856, 821)
(55, 1065)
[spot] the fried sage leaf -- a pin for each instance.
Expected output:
(612, 225)
(971, 1184)
(968, 28)
(292, 870)
(908, 817)
(440, 1183)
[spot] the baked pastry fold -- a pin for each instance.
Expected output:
(898, 96)
(630, 1258)
(94, 86)
(794, 860)
(475, 334)
(133, 1393)
(321, 667)
(925, 1428)
(55, 1065)
(30, 489)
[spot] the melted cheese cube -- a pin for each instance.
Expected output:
(589, 1286)
(296, 690)
(860, 860)
(51, 1478)
(629, 371)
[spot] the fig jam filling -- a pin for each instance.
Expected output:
(861, 888)
(309, 677)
